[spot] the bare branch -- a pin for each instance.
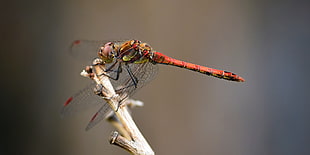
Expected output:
(131, 138)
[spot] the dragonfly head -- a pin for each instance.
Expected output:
(106, 52)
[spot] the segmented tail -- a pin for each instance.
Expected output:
(163, 59)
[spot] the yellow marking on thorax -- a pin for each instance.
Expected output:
(127, 58)
(141, 61)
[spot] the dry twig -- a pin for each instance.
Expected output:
(130, 138)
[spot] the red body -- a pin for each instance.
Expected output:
(130, 65)
(163, 59)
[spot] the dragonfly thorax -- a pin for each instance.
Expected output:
(132, 51)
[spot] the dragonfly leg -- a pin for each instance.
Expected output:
(98, 89)
(133, 78)
(118, 71)
(121, 101)
(121, 89)
(110, 67)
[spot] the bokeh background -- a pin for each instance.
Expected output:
(266, 42)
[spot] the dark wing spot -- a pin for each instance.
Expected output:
(93, 118)
(68, 101)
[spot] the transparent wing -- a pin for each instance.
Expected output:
(86, 50)
(101, 114)
(144, 73)
(124, 87)
(86, 98)
(83, 99)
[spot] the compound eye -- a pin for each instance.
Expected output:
(106, 50)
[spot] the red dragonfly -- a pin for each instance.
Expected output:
(130, 65)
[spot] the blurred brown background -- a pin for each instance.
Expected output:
(266, 42)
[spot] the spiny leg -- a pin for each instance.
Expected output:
(133, 78)
(118, 71)
(110, 67)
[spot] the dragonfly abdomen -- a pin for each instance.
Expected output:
(163, 59)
